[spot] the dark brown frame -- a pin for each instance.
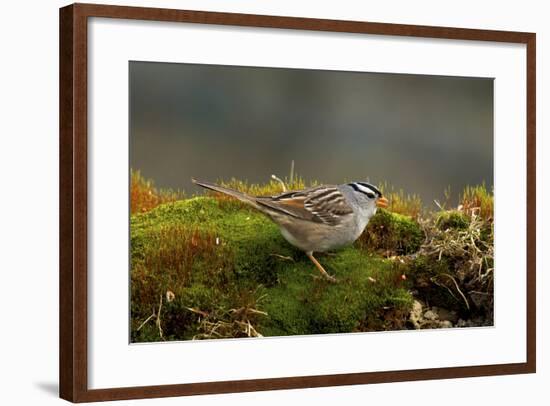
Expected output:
(73, 202)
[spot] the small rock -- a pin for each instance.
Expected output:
(416, 314)
(429, 324)
(468, 323)
(431, 315)
(417, 308)
(445, 324)
(445, 314)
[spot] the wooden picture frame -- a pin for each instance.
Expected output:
(74, 201)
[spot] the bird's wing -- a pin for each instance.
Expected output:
(322, 204)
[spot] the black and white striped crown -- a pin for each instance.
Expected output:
(366, 188)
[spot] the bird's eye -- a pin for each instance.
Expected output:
(363, 188)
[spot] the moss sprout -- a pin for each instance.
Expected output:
(144, 196)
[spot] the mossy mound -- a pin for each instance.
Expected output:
(452, 219)
(218, 269)
(392, 233)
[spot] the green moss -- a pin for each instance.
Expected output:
(304, 303)
(178, 320)
(452, 219)
(214, 254)
(391, 232)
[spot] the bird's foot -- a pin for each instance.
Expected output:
(320, 268)
(331, 279)
(327, 277)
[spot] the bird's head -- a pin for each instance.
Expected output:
(368, 196)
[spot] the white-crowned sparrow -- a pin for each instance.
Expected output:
(317, 219)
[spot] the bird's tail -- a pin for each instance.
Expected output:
(243, 197)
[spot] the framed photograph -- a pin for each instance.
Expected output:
(255, 202)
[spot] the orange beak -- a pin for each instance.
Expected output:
(382, 202)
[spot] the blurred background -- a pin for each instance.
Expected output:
(419, 133)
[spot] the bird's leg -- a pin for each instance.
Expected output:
(320, 267)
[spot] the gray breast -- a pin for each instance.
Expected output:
(315, 237)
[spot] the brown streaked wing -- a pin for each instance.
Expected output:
(293, 207)
(329, 205)
(322, 204)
